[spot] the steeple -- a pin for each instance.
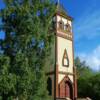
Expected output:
(62, 11)
(61, 75)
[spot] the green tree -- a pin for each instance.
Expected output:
(83, 73)
(90, 87)
(95, 86)
(88, 81)
(83, 69)
(27, 43)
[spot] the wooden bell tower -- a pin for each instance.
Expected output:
(62, 84)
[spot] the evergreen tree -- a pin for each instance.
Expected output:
(27, 43)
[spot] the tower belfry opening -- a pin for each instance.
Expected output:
(63, 72)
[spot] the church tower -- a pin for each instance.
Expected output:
(62, 84)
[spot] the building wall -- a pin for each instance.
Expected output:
(59, 45)
(62, 44)
(64, 20)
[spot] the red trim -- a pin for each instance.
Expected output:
(75, 84)
(60, 72)
(68, 91)
(57, 81)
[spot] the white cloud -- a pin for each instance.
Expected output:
(92, 59)
(87, 27)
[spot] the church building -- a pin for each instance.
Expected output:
(62, 82)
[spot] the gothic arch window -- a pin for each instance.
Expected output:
(65, 60)
(68, 27)
(49, 86)
(61, 25)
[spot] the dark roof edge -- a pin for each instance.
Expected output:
(65, 16)
(62, 12)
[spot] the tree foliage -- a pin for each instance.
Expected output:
(26, 45)
(83, 70)
(88, 81)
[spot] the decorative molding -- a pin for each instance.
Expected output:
(65, 36)
(67, 17)
(64, 31)
(60, 72)
(65, 73)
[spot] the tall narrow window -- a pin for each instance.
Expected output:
(61, 25)
(68, 27)
(65, 60)
(49, 86)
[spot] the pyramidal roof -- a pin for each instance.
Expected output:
(62, 11)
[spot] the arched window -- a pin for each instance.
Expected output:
(68, 27)
(49, 86)
(61, 25)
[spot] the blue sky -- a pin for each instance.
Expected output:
(1, 6)
(86, 14)
(86, 25)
